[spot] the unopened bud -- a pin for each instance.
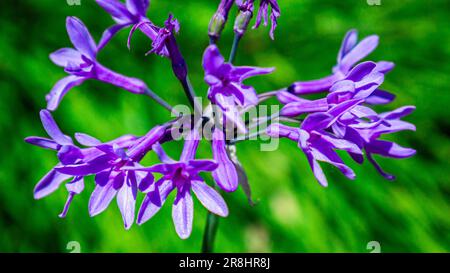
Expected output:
(242, 21)
(216, 26)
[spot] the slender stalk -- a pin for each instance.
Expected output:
(190, 93)
(234, 48)
(159, 100)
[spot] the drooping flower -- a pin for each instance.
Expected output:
(81, 64)
(182, 176)
(350, 53)
(166, 41)
(317, 143)
(263, 14)
(67, 153)
(364, 127)
(132, 13)
(113, 176)
(362, 82)
(226, 88)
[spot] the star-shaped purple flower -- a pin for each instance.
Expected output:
(226, 88)
(182, 176)
(317, 143)
(82, 65)
(113, 176)
(68, 154)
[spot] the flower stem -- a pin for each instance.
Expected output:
(159, 100)
(190, 93)
(234, 48)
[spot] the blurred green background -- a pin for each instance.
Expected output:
(294, 213)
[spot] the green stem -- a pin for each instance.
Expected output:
(234, 48)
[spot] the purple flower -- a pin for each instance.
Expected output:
(113, 176)
(81, 64)
(226, 88)
(263, 14)
(68, 153)
(317, 143)
(364, 127)
(350, 53)
(133, 12)
(166, 41)
(362, 82)
(182, 176)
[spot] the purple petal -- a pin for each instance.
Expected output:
(81, 38)
(225, 175)
(280, 130)
(398, 113)
(109, 33)
(64, 56)
(317, 170)
(49, 183)
(380, 97)
(87, 140)
(183, 214)
(158, 149)
(53, 130)
(60, 89)
(389, 149)
(146, 182)
(379, 169)
(102, 178)
(74, 187)
(384, 67)
(212, 60)
(202, 165)
(95, 166)
(337, 111)
(42, 142)
(349, 42)
(315, 86)
(329, 156)
(138, 7)
(154, 201)
(101, 198)
(190, 146)
(210, 198)
(342, 144)
(359, 52)
(117, 10)
(360, 71)
(305, 106)
(316, 121)
(69, 154)
(286, 97)
(244, 72)
(126, 200)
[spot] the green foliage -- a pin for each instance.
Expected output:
(294, 213)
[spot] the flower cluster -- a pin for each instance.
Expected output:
(341, 120)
